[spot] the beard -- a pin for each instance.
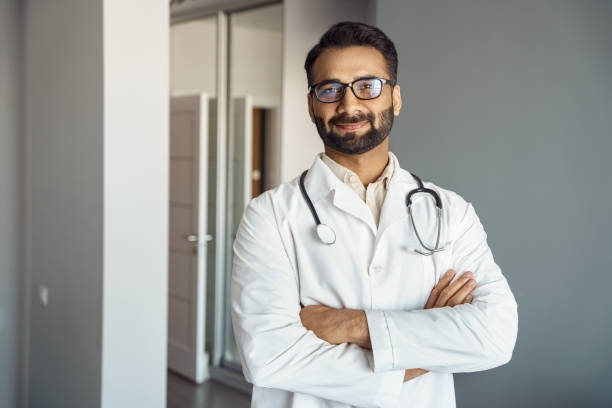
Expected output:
(350, 143)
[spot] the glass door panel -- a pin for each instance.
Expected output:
(193, 71)
(255, 47)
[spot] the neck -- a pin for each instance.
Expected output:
(368, 166)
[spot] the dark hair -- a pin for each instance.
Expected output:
(349, 33)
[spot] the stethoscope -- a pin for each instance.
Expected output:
(327, 235)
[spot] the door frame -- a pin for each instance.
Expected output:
(197, 9)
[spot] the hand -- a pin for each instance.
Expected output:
(452, 294)
(335, 326)
(446, 294)
(413, 373)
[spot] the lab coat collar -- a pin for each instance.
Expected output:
(320, 181)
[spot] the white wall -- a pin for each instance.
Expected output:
(10, 192)
(135, 170)
(304, 23)
(255, 62)
(255, 59)
(193, 47)
(96, 201)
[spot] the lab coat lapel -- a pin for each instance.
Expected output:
(348, 201)
(320, 181)
(394, 206)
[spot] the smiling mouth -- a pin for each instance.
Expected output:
(349, 127)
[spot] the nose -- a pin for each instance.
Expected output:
(349, 103)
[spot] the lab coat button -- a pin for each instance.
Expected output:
(376, 269)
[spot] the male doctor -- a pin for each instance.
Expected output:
(364, 316)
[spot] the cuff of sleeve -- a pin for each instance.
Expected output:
(383, 356)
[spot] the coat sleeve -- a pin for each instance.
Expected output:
(275, 349)
(464, 338)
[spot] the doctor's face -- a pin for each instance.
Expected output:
(352, 125)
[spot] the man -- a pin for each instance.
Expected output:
(370, 312)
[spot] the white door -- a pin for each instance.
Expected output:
(188, 236)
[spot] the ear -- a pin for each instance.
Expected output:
(310, 106)
(397, 100)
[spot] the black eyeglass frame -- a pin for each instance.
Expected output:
(311, 88)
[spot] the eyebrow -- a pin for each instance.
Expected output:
(338, 80)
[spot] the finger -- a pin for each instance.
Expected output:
(468, 299)
(462, 293)
(442, 283)
(451, 289)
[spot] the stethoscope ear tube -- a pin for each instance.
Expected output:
(422, 189)
(307, 198)
(326, 234)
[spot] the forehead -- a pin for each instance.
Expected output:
(347, 64)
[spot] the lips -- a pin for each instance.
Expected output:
(352, 126)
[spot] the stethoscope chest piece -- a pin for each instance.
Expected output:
(326, 234)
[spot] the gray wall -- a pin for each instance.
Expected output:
(10, 191)
(508, 103)
(64, 144)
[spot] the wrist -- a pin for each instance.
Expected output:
(357, 328)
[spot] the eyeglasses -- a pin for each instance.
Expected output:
(363, 88)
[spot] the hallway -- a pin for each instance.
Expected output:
(184, 394)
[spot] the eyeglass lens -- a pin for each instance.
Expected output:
(363, 89)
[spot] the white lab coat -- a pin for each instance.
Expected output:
(279, 262)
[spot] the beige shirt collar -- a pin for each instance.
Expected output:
(350, 177)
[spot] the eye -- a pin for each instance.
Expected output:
(368, 88)
(329, 88)
(329, 92)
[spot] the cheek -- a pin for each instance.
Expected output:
(325, 113)
(379, 109)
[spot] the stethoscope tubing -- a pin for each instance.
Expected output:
(327, 234)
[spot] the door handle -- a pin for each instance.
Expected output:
(195, 238)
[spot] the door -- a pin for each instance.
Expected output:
(259, 149)
(188, 236)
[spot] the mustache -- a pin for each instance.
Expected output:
(346, 118)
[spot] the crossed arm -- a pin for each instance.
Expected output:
(278, 351)
(337, 326)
